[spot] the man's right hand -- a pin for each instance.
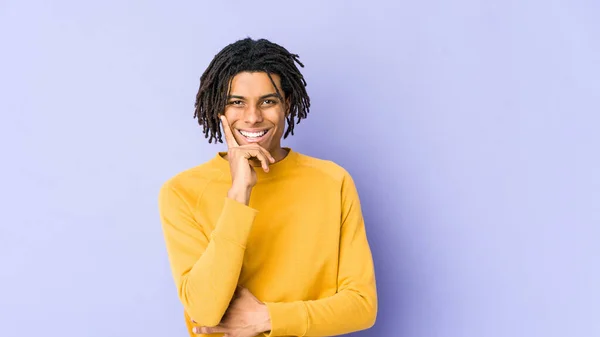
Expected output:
(243, 176)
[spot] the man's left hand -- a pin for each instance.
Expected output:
(245, 317)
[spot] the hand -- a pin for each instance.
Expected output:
(242, 173)
(245, 317)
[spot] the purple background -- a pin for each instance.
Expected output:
(471, 128)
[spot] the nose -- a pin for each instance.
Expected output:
(253, 115)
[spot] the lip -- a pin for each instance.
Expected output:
(256, 139)
(254, 130)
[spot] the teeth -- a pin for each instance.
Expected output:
(253, 134)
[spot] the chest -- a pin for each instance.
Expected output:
(297, 239)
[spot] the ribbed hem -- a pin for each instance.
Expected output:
(288, 319)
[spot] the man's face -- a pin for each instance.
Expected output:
(254, 112)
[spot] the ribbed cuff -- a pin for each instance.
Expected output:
(288, 319)
(235, 222)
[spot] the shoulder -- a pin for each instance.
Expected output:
(326, 168)
(191, 182)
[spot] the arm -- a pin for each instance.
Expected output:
(205, 266)
(354, 306)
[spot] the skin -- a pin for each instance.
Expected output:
(252, 106)
(245, 317)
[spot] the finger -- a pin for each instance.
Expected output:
(265, 152)
(204, 330)
(239, 290)
(229, 138)
(265, 161)
(267, 155)
(246, 292)
(258, 154)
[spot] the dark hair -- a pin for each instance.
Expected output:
(252, 56)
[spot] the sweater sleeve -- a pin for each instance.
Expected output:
(205, 266)
(354, 306)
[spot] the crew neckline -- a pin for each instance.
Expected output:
(275, 169)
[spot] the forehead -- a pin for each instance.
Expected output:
(254, 84)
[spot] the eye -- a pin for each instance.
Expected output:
(269, 102)
(237, 102)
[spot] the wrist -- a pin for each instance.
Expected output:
(265, 320)
(240, 194)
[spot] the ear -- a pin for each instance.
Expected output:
(287, 106)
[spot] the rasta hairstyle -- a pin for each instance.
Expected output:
(252, 56)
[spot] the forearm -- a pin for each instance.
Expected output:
(207, 284)
(207, 289)
(240, 194)
(348, 311)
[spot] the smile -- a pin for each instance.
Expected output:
(253, 136)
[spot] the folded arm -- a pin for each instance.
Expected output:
(354, 306)
(205, 266)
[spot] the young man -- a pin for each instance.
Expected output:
(263, 239)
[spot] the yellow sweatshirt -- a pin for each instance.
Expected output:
(299, 246)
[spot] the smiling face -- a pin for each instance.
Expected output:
(255, 112)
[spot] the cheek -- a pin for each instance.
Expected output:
(233, 115)
(275, 116)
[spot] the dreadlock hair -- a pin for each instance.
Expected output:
(252, 56)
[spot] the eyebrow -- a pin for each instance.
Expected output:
(261, 97)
